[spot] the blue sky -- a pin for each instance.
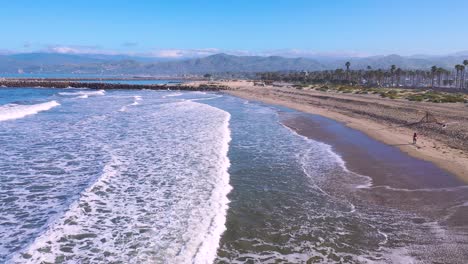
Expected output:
(191, 28)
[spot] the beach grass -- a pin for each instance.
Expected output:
(417, 95)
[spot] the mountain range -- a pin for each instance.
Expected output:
(57, 63)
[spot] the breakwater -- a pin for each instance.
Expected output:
(107, 86)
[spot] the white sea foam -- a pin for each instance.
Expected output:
(327, 147)
(446, 189)
(83, 94)
(136, 98)
(366, 181)
(16, 111)
(136, 101)
(173, 95)
(164, 200)
(206, 98)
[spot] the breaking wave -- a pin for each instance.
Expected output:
(83, 94)
(145, 207)
(16, 111)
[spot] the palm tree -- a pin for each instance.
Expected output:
(380, 75)
(433, 72)
(448, 74)
(411, 74)
(347, 64)
(398, 73)
(462, 76)
(439, 72)
(392, 71)
(465, 63)
(339, 73)
(457, 76)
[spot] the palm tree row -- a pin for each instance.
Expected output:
(392, 77)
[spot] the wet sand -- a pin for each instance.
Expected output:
(365, 156)
(396, 180)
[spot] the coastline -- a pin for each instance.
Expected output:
(365, 113)
(452, 160)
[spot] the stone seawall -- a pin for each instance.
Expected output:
(107, 86)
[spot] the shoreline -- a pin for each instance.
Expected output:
(382, 175)
(452, 160)
(384, 165)
(363, 113)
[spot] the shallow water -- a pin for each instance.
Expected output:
(142, 177)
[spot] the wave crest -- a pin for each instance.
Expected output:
(83, 94)
(16, 111)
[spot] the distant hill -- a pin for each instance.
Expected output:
(230, 63)
(124, 64)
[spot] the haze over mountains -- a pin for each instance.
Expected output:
(58, 63)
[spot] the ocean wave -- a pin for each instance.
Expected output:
(206, 98)
(364, 180)
(83, 94)
(137, 99)
(172, 95)
(207, 251)
(16, 111)
(168, 211)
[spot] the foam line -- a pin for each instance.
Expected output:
(83, 94)
(136, 101)
(16, 111)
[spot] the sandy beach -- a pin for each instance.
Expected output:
(383, 119)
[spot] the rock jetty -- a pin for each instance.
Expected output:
(108, 86)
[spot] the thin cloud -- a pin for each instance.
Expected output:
(76, 49)
(183, 53)
(294, 53)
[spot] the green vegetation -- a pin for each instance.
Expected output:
(417, 95)
(323, 88)
(346, 89)
(300, 86)
(437, 97)
(392, 94)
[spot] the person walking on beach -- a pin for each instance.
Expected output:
(415, 138)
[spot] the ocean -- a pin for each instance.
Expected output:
(94, 176)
